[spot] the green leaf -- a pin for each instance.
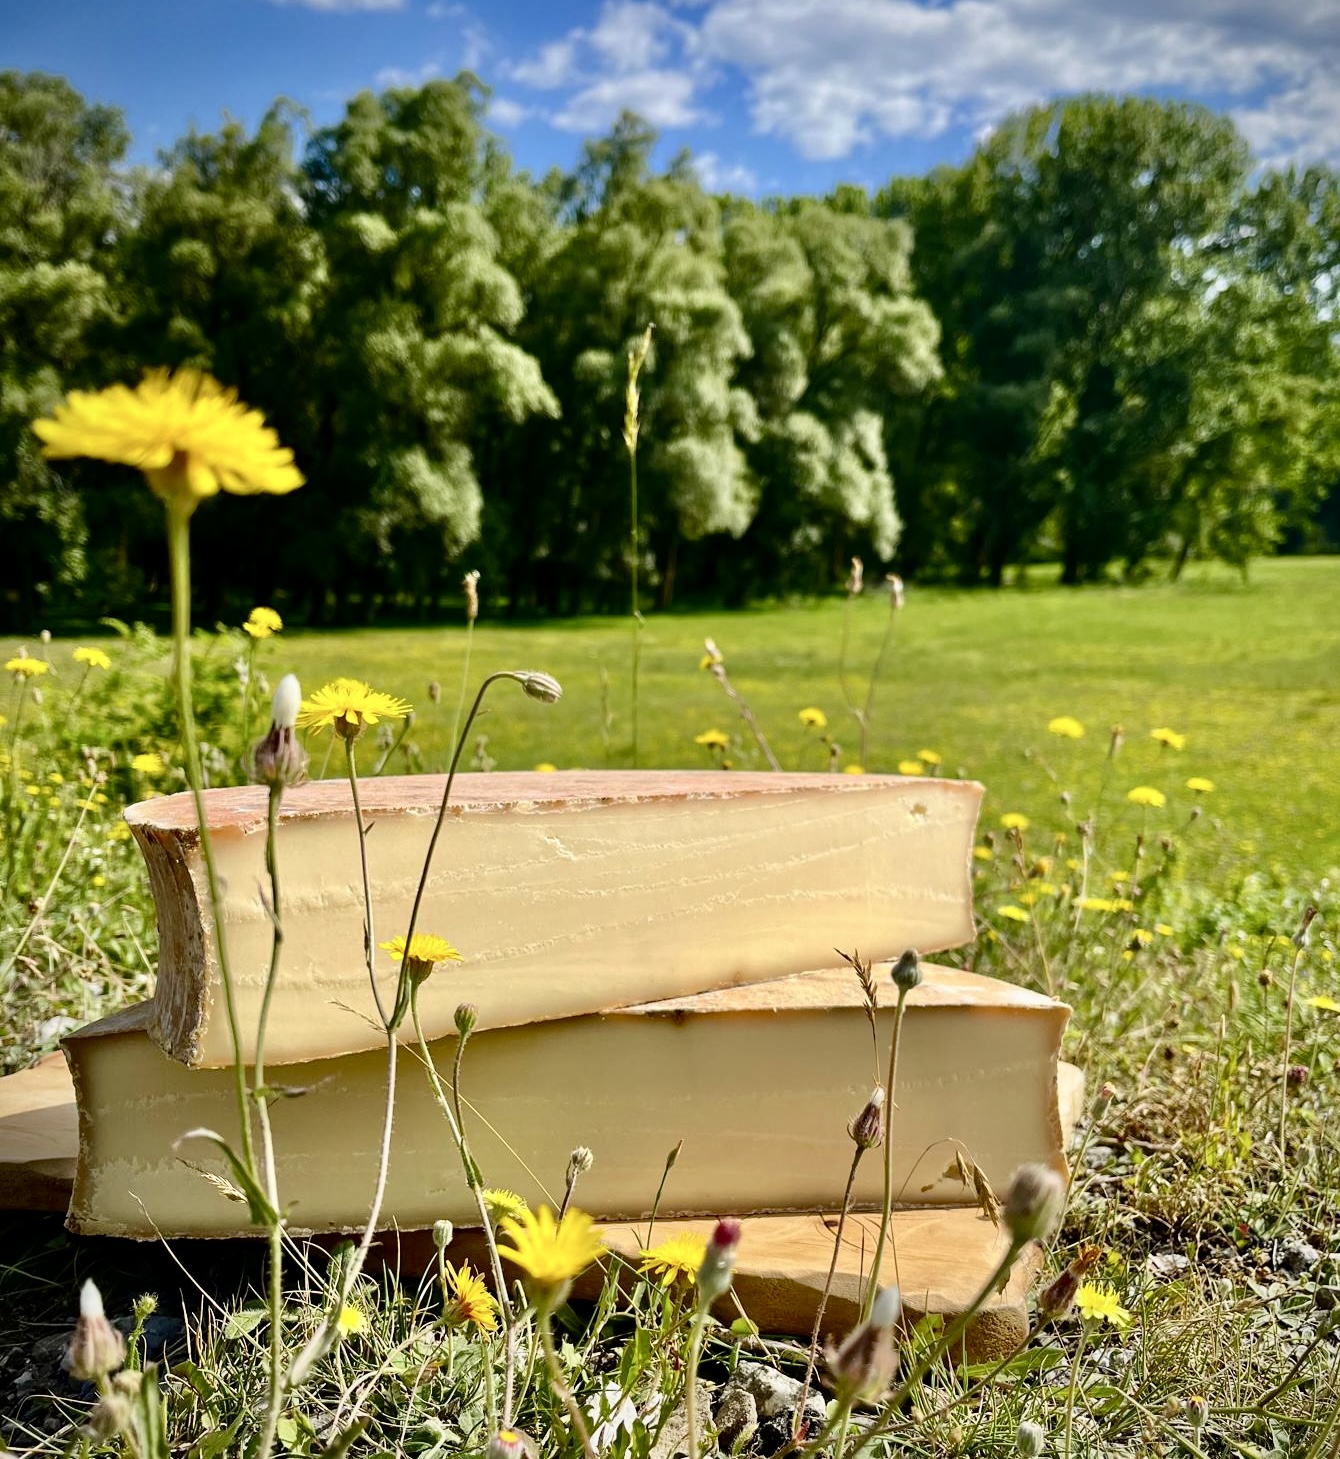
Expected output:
(244, 1321)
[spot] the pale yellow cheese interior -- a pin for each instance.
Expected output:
(568, 905)
(759, 1083)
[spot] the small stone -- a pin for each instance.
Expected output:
(1327, 1298)
(1167, 1264)
(775, 1394)
(1294, 1255)
(736, 1417)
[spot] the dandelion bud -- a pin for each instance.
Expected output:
(470, 582)
(443, 1231)
(856, 578)
(543, 687)
(1036, 1200)
(435, 692)
(1115, 743)
(466, 1016)
(1300, 938)
(1172, 1408)
(1197, 1411)
(865, 1362)
(714, 1276)
(1297, 1076)
(1107, 1093)
(96, 1348)
(1265, 977)
(145, 1307)
(906, 972)
(1030, 1439)
(672, 1159)
(867, 1129)
(579, 1162)
(279, 760)
(509, 1444)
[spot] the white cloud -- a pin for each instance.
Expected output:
(400, 77)
(504, 112)
(719, 176)
(832, 76)
(346, 5)
(555, 65)
(664, 98)
(829, 75)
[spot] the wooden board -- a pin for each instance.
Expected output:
(940, 1257)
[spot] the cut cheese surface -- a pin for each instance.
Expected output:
(565, 893)
(759, 1083)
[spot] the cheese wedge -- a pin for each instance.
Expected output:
(759, 1082)
(566, 894)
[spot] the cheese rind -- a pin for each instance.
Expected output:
(759, 1083)
(566, 894)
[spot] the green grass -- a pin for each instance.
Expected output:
(1251, 674)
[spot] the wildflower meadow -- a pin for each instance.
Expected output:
(1155, 850)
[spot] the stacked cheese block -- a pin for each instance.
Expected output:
(652, 960)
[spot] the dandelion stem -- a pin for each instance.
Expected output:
(369, 935)
(560, 1387)
(1288, 1043)
(1072, 1387)
(465, 681)
(179, 556)
(691, 1377)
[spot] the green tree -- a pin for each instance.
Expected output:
(59, 208)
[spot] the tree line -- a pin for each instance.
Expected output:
(1103, 339)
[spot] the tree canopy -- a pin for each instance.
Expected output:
(1102, 339)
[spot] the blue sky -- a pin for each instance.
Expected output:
(770, 95)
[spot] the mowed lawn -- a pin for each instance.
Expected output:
(1250, 674)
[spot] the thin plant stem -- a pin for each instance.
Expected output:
(1288, 1043)
(575, 1415)
(746, 714)
(869, 707)
(691, 1376)
(179, 555)
(669, 1165)
(465, 680)
(473, 1181)
(1072, 1387)
(828, 1286)
(637, 614)
(886, 1208)
(260, 1095)
(369, 934)
(246, 698)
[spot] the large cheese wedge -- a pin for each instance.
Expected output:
(566, 894)
(758, 1082)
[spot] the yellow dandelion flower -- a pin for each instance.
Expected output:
(1067, 726)
(348, 705)
(1015, 821)
(1099, 1303)
(502, 1203)
(983, 853)
(1323, 1001)
(911, 767)
(150, 762)
(426, 950)
(94, 658)
(469, 1301)
(714, 739)
(813, 718)
(1142, 936)
(189, 435)
(545, 768)
(1096, 904)
(1012, 913)
(853, 769)
(1168, 738)
(56, 778)
(1200, 785)
(551, 1252)
(99, 880)
(930, 757)
(1124, 904)
(25, 668)
(1147, 796)
(263, 623)
(679, 1258)
(350, 1321)
(1164, 929)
